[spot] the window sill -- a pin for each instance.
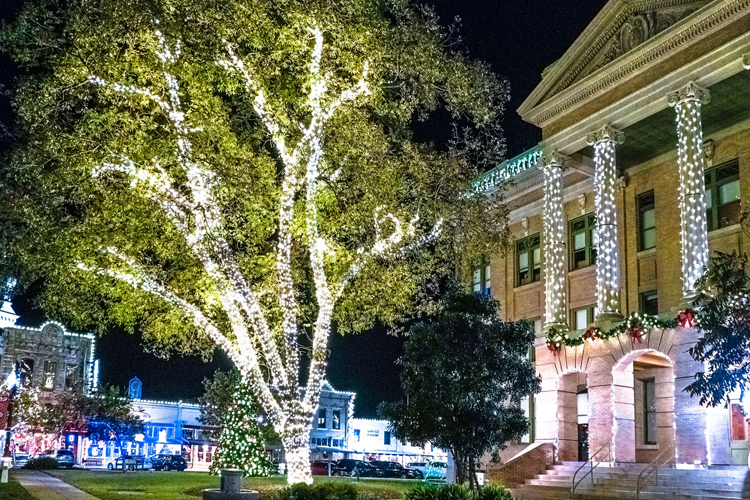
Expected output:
(647, 447)
(646, 253)
(521, 288)
(724, 231)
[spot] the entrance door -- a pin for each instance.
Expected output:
(739, 434)
(583, 442)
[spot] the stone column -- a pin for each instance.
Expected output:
(694, 227)
(608, 247)
(554, 243)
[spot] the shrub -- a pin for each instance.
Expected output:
(45, 463)
(494, 492)
(322, 491)
(456, 492)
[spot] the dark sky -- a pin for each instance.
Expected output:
(519, 38)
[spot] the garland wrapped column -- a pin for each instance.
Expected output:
(694, 225)
(608, 246)
(554, 243)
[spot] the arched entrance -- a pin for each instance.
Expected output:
(572, 416)
(643, 392)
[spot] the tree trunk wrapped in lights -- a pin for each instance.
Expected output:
(241, 176)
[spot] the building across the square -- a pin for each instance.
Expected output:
(643, 171)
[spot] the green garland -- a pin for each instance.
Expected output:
(557, 339)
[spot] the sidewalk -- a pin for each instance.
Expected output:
(45, 487)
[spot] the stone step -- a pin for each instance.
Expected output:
(533, 492)
(686, 487)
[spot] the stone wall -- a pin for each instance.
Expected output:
(533, 461)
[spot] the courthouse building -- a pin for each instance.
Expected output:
(641, 174)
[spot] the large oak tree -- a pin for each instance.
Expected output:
(243, 174)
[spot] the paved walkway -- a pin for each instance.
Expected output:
(46, 487)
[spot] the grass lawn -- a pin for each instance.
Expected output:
(189, 485)
(14, 491)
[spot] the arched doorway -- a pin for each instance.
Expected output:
(572, 416)
(643, 405)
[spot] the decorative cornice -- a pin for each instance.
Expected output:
(690, 92)
(606, 133)
(722, 14)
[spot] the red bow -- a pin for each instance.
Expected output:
(592, 333)
(554, 347)
(686, 318)
(636, 333)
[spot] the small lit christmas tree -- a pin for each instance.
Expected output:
(242, 444)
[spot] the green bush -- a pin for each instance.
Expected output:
(493, 492)
(45, 463)
(322, 491)
(456, 492)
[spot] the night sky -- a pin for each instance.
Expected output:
(519, 39)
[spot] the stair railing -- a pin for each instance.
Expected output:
(590, 463)
(655, 473)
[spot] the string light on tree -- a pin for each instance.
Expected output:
(188, 195)
(607, 240)
(694, 224)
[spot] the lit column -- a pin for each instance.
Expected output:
(608, 247)
(694, 227)
(554, 243)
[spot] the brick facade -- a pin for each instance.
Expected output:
(613, 372)
(532, 462)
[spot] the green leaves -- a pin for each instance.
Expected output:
(465, 373)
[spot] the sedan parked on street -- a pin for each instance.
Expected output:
(64, 458)
(320, 468)
(351, 467)
(167, 462)
(396, 470)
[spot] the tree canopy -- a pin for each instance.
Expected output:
(465, 373)
(723, 306)
(243, 174)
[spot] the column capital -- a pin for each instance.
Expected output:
(606, 133)
(690, 92)
(555, 159)
(746, 61)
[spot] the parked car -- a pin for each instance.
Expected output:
(132, 462)
(164, 461)
(420, 466)
(395, 469)
(320, 468)
(64, 458)
(20, 459)
(436, 471)
(351, 467)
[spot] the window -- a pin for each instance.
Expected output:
(649, 412)
(356, 434)
(335, 443)
(48, 380)
(528, 260)
(582, 318)
(336, 419)
(723, 195)
(646, 221)
(650, 303)
(188, 433)
(25, 370)
(72, 376)
(482, 277)
(387, 438)
(322, 418)
(583, 241)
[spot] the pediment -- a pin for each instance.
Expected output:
(620, 27)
